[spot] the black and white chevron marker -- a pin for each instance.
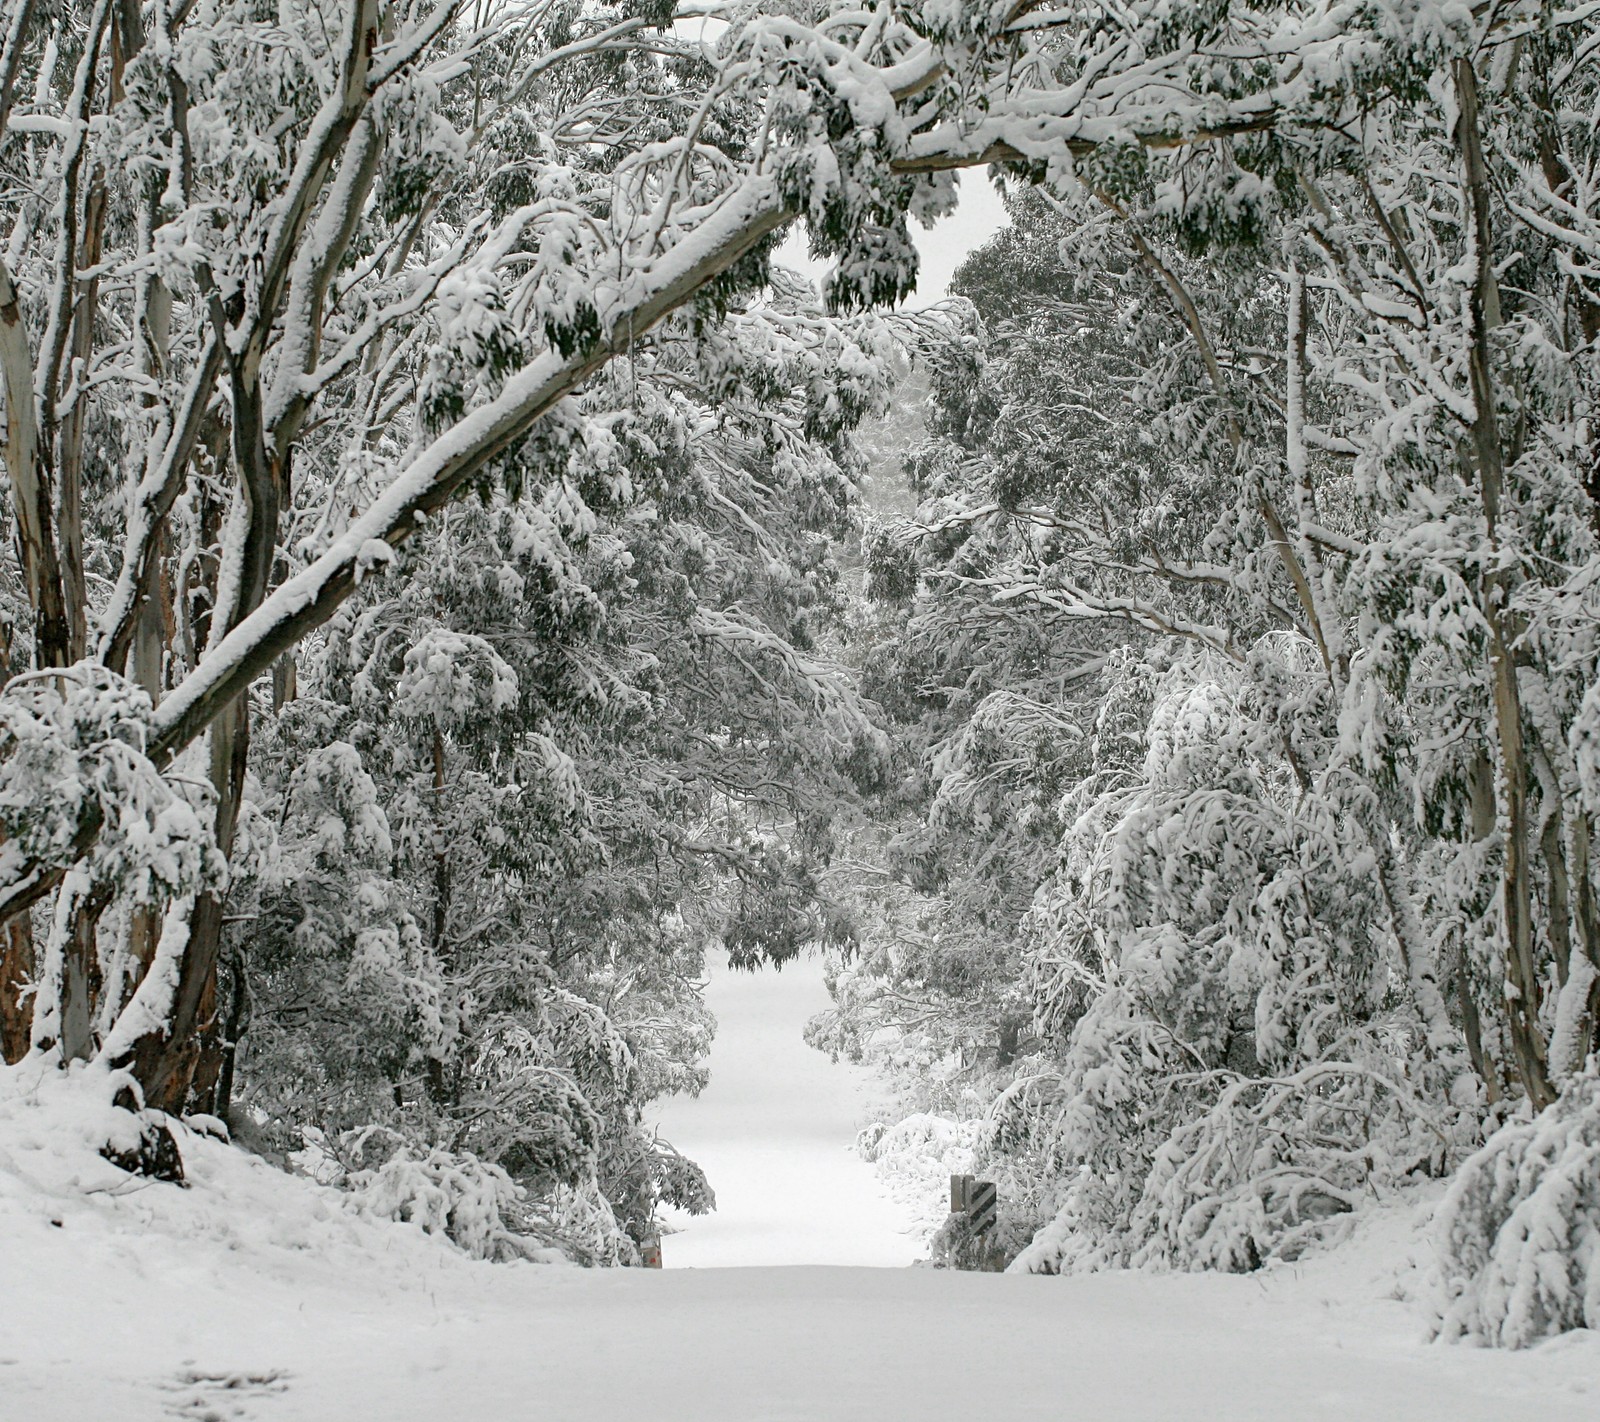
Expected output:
(984, 1207)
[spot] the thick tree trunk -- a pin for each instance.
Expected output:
(16, 976)
(152, 633)
(208, 1048)
(32, 495)
(72, 431)
(80, 981)
(1523, 993)
(285, 681)
(170, 1063)
(1481, 798)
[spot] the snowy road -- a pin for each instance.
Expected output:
(253, 1296)
(759, 1345)
(773, 1131)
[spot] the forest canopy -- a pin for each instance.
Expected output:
(428, 619)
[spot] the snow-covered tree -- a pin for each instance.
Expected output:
(623, 759)
(274, 294)
(1234, 406)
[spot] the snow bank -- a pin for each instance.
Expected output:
(252, 1295)
(916, 1157)
(255, 1296)
(232, 1205)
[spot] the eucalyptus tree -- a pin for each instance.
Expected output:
(518, 791)
(339, 277)
(1360, 731)
(274, 295)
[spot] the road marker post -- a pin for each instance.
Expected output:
(960, 1193)
(983, 1207)
(978, 1200)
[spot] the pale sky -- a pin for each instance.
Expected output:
(943, 248)
(978, 217)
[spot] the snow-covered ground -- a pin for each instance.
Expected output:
(253, 1295)
(774, 1131)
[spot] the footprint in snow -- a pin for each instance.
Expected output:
(221, 1396)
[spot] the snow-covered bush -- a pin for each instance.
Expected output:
(1264, 1172)
(1218, 958)
(1518, 1234)
(916, 1156)
(473, 1203)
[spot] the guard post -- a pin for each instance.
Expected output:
(978, 1200)
(960, 1193)
(983, 1206)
